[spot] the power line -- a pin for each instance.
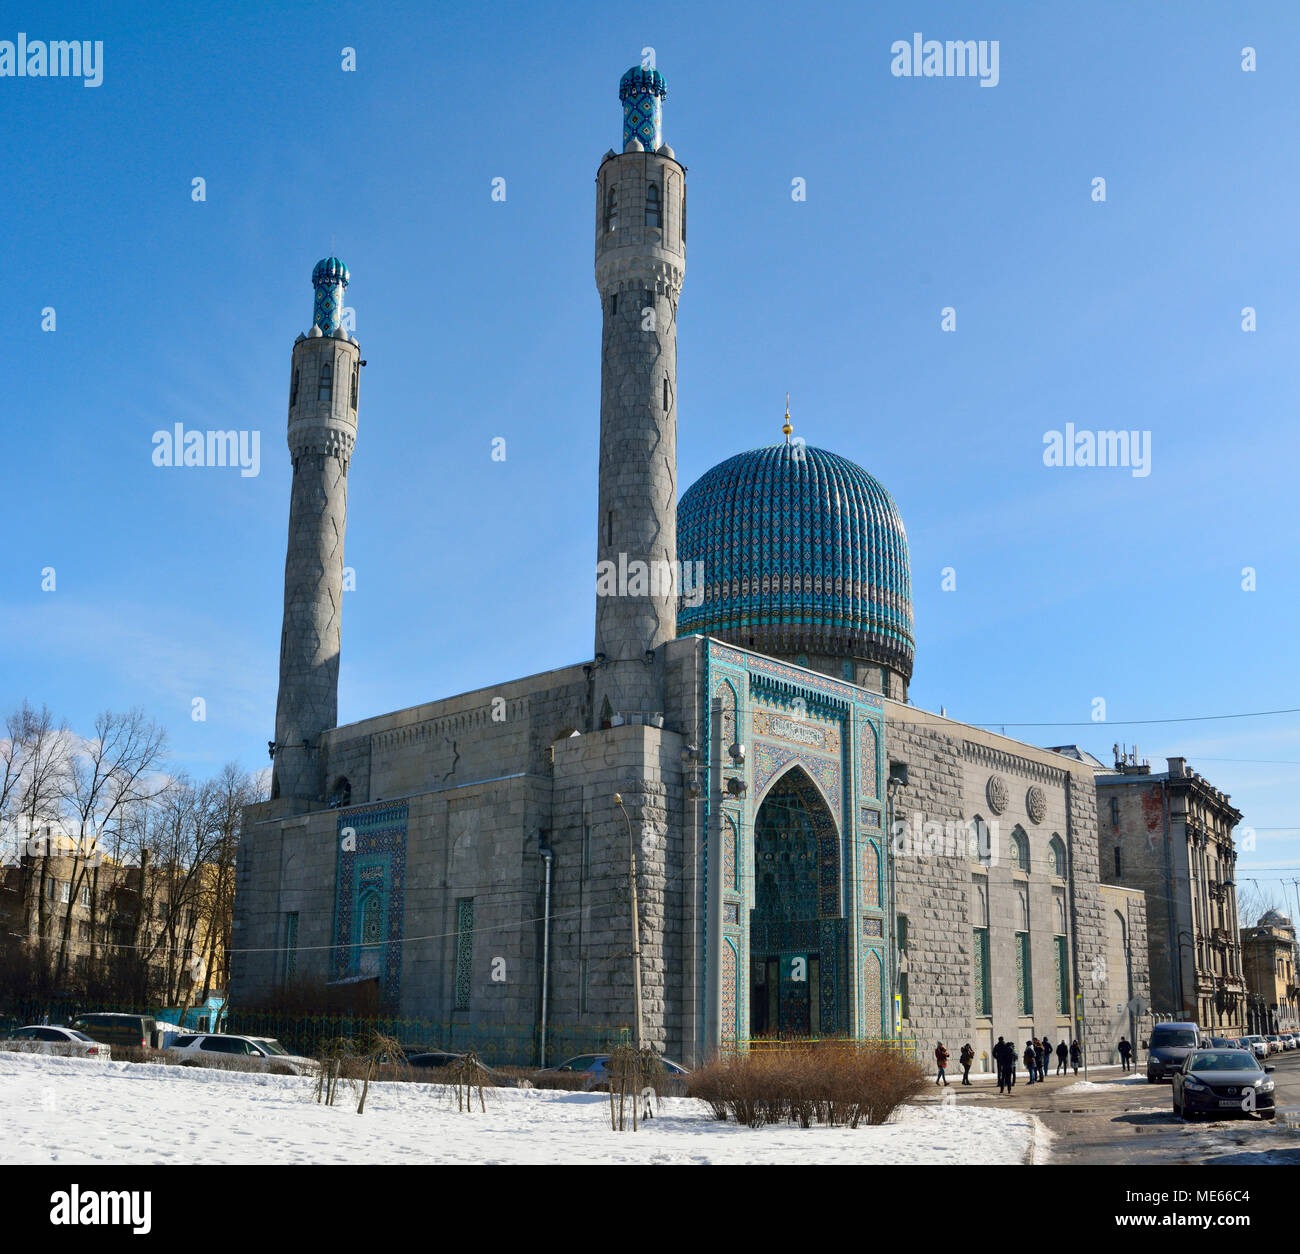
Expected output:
(1130, 722)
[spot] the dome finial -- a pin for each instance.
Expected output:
(642, 91)
(330, 281)
(787, 429)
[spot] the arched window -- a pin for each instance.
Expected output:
(293, 391)
(654, 214)
(356, 380)
(1019, 850)
(1058, 857)
(325, 392)
(981, 840)
(611, 209)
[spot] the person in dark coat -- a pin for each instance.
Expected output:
(1076, 1057)
(1040, 1059)
(966, 1057)
(1047, 1054)
(1000, 1059)
(941, 1058)
(1062, 1057)
(1125, 1053)
(1029, 1059)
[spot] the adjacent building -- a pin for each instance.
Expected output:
(1268, 959)
(1170, 834)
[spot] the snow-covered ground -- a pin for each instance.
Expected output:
(71, 1110)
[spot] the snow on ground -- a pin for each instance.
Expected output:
(72, 1110)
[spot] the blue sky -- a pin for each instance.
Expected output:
(480, 319)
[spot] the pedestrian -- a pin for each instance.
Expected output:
(1076, 1057)
(1047, 1053)
(1040, 1059)
(941, 1057)
(1029, 1059)
(1125, 1053)
(1000, 1058)
(1062, 1057)
(966, 1057)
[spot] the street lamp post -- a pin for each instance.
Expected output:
(636, 922)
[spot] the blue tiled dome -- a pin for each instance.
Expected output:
(803, 552)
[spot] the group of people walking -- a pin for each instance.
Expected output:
(1037, 1058)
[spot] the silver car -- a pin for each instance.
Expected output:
(40, 1038)
(239, 1053)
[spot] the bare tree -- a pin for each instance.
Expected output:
(109, 774)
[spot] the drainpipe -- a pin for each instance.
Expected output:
(545, 851)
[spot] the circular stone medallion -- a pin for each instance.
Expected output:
(996, 792)
(1036, 804)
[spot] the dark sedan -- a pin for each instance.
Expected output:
(1223, 1082)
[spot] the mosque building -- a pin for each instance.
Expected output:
(814, 856)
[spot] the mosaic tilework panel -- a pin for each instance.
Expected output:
(814, 681)
(871, 874)
(868, 758)
(873, 1000)
(730, 965)
(730, 855)
(824, 737)
(642, 92)
(330, 281)
(770, 760)
(725, 694)
(873, 927)
(373, 865)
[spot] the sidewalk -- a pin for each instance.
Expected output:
(1022, 1076)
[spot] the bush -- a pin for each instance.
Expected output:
(834, 1083)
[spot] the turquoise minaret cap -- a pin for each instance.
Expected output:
(330, 279)
(642, 92)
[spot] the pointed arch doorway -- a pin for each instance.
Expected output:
(797, 935)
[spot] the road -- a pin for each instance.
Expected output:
(1122, 1119)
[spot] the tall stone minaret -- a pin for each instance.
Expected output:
(323, 390)
(640, 265)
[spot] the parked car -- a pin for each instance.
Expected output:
(1274, 1044)
(257, 1053)
(592, 1067)
(1257, 1045)
(1289, 1041)
(1168, 1047)
(1221, 1042)
(1223, 1082)
(47, 1039)
(119, 1029)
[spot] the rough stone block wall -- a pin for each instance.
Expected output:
(933, 892)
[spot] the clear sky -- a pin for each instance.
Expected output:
(479, 319)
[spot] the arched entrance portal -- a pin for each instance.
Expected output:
(797, 950)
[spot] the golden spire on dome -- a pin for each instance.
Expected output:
(787, 429)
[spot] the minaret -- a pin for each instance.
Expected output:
(323, 391)
(640, 265)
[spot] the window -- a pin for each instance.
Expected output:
(1057, 852)
(902, 933)
(85, 897)
(325, 392)
(904, 997)
(1024, 982)
(1019, 850)
(293, 391)
(665, 393)
(611, 209)
(983, 988)
(83, 931)
(1114, 811)
(65, 891)
(51, 889)
(1062, 966)
(464, 950)
(1118, 872)
(356, 381)
(290, 946)
(654, 215)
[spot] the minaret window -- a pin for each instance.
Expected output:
(611, 209)
(325, 392)
(356, 375)
(293, 391)
(654, 215)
